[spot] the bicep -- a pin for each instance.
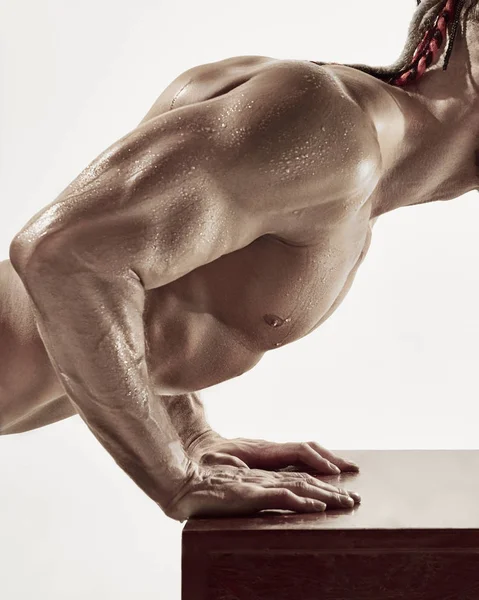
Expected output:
(151, 203)
(207, 179)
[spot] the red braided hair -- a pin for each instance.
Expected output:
(427, 52)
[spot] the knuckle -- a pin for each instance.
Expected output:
(302, 485)
(207, 458)
(285, 494)
(215, 481)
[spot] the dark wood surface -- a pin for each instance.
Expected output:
(415, 535)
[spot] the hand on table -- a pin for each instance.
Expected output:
(223, 490)
(223, 479)
(210, 448)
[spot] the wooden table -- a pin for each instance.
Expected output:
(415, 536)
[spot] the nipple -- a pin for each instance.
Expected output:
(274, 320)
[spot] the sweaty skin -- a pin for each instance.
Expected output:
(216, 321)
(221, 318)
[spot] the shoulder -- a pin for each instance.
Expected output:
(314, 99)
(297, 126)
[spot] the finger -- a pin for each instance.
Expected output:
(259, 475)
(332, 499)
(311, 457)
(294, 453)
(341, 463)
(277, 456)
(220, 458)
(355, 496)
(331, 487)
(267, 479)
(327, 486)
(285, 499)
(333, 458)
(307, 484)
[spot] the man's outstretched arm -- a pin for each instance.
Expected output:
(160, 202)
(91, 323)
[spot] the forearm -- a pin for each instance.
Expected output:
(92, 328)
(187, 415)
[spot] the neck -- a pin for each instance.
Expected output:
(429, 132)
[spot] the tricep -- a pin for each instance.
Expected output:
(207, 179)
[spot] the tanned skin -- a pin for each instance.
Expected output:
(230, 222)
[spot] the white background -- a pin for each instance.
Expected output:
(394, 367)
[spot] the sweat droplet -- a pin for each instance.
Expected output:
(273, 320)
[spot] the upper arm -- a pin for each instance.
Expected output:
(206, 179)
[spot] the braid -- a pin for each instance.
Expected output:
(428, 49)
(453, 33)
(409, 69)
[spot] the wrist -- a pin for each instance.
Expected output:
(187, 415)
(193, 438)
(199, 444)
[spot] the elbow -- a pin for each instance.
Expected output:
(28, 253)
(19, 253)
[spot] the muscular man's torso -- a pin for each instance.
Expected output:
(216, 322)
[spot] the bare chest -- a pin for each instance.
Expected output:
(218, 321)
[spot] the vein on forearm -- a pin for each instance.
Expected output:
(91, 322)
